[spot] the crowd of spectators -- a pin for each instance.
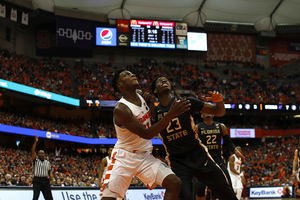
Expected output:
(46, 74)
(104, 128)
(271, 163)
(241, 88)
(71, 170)
(266, 164)
(94, 81)
(70, 126)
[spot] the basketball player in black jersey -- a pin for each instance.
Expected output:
(187, 157)
(210, 134)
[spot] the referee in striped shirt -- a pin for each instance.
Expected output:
(41, 171)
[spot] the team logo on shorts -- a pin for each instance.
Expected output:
(106, 34)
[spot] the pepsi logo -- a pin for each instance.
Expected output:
(106, 34)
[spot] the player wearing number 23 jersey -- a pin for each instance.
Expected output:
(188, 157)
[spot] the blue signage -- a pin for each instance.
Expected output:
(64, 137)
(38, 93)
(152, 45)
(106, 36)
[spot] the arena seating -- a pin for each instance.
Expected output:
(239, 87)
(79, 170)
(46, 74)
(250, 83)
(266, 164)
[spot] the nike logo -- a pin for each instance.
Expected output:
(206, 163)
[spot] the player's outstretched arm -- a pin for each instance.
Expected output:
(228, 143)
(123, 116)
(216, 110)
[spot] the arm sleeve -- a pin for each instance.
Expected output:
(228, 143)
(196, 104)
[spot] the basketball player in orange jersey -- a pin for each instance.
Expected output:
(234, 169)
(132, 153)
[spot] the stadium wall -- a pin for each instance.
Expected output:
(17, 37)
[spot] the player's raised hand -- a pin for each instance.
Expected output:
(215, 97)
(36, 138)
(179, 107)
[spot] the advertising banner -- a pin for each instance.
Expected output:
(295, 46)
(267, 192)
(77, 193)
(145, 194)
(74, 32)
(284, 50)
(181, 42)
(181, 28)
(242, 133)
(57, 194)
(106, 36)
(123, 25)
(64, 137)
(123, 39)
(38, 92)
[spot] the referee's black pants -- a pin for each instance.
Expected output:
(41, 184)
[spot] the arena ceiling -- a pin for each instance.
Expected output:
(264, 14)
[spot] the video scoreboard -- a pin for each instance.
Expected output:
(152, 34)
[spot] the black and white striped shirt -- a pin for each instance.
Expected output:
(40, 168)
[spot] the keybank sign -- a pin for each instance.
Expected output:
(38, 93)
(267, 192)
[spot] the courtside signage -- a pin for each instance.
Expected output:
(267, 192)
(60, 194)
(106, 36)
(38, 93)
(77, 193)
(64, 137)
(145, 194)
(242, 133)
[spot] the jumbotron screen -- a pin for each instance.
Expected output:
(152, 34)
